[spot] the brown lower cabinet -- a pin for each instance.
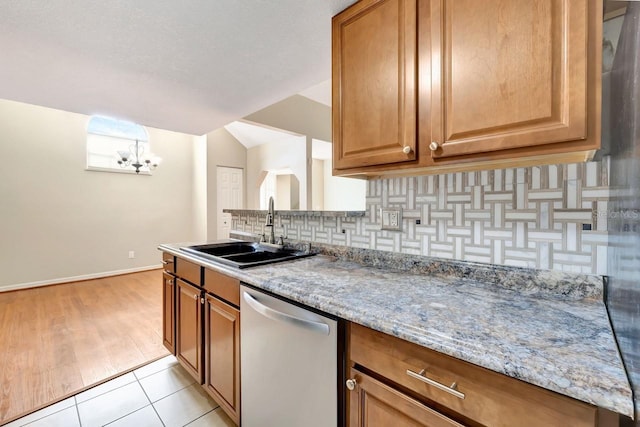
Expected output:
(395, 382)
(222, 355)
(391, 382)
(189, 328)
(168, 312)
(375, 404)
(202, 328)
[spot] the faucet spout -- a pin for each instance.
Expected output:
(270, 214)
(269, 222)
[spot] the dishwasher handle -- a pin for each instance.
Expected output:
(270, 313)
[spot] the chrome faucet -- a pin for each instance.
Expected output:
(269, 222)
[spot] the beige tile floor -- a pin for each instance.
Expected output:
(159, 394)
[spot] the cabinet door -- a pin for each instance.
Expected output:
(222, 355)
(374, 404)
(189, 329)
(168, 312)
(374, 83)
(507, 74)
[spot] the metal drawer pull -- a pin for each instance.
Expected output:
(406, 149)
(420, 376)
(165, 262)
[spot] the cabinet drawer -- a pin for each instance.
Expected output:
(168, 262)
(188, 271)
(222, 286)
(375, 404)
(479, 394)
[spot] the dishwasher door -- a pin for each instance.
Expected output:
(289, 364)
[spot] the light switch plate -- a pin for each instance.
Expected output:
(391, 219)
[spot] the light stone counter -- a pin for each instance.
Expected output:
(562, 344)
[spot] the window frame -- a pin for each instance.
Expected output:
(120, 131)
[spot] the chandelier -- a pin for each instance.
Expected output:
(135, 157)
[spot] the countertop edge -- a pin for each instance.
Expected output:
(299, 213)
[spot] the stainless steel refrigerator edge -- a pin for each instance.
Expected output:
(621, 109)
(289, 362)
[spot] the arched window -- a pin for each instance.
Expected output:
(117, 146)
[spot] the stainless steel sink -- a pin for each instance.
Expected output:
(243, 254)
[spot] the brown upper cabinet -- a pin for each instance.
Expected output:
(374, 60)
(450, 85)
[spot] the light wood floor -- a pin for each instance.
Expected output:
(57, 340)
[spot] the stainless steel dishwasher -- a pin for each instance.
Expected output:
(289, 363)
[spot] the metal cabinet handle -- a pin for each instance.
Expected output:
(433, 146)
(272, 314)
(351, 383)
(195, 296)
(406, 149)
(165, 262)
(420, 376)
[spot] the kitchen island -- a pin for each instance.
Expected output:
(539, 327)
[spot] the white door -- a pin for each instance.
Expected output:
(230, 196)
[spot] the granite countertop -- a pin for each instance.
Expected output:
(564, 344)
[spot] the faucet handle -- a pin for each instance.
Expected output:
(281, 240)
(263, 238)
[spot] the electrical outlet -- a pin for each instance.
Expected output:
(132, 254)
(391, 219)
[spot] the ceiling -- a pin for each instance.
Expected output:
(252, 134)
(320, 93)
(190, 66)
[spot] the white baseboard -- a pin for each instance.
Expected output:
(77, 278)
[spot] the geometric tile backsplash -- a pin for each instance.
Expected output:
(549, 217)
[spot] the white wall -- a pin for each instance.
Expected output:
(282, 199)
(290, 153)
(317, 184)
(287, 195)
(199, 211)
(299, 115)
(303, 116)
(58, 220)
(222, 150)
(343, 194)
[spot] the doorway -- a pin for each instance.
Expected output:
(230, 195)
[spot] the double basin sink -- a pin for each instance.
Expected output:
(243, 254)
